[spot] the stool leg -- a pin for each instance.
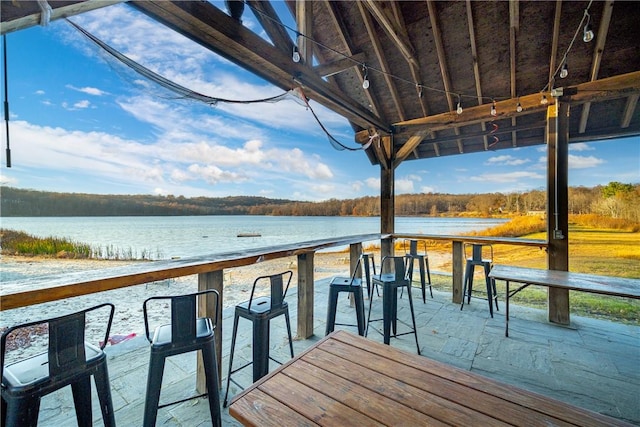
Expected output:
(103, 387)
(154, 383)
(211, 373)
(22, 412)
(489, 287)
(413, 319)
(422, 280)
(233, 347)
(286, 318)
(359, 300)
(331, 310)
(495, 293)
(394, 310)
(426, 263)
(468, 284)
(260, 348)
(81, 391)
(387, 311)
(366, 329)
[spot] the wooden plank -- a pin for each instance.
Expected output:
(456, 393)
(316, 406)
(212, 280)
(249, 413)
(552, 407)
(412, 404)
(373, 402)
(604, 285)
(305, 295)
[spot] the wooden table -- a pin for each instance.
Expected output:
(605, 285)
(347, 380)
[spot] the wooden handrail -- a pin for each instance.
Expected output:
(68, 285)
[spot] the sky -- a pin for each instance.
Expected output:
(81, 122)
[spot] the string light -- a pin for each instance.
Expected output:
(296, 54)
(519, 107)
(494, 112)
(564, 72)
(587, 32)
(544, 100)
(459, 109)
(365, 82)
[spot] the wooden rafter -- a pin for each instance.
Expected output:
(382, 60)
(272, 25)
(629, 108)
(476, 68)
(514, 27)
(397, 36)
(209, 26)
(554, 41)
(329, 69)
(304, 19)
(442, 60)
(601, 39)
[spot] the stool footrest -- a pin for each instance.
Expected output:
(164, 405)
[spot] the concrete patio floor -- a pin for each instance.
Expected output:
(591, 363)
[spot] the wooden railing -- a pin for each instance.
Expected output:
(209, 269)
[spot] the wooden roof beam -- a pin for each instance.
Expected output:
(336, 67)
(18, 15)
(476, 67)
(601, 38)
(272, 25)
(442, 60)
(622, 86)
(206, 24)
(554, 42)
(629, 108)
(396, 35)
(304, 19)
(514, 28)
(382, 60)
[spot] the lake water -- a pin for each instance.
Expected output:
(185, 236)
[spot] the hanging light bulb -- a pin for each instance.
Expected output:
(296, 54)
(494, 112)
(564, 72)
(459, 108)
(365, 82)
(519, 107)
(587, 32)
(544, 100)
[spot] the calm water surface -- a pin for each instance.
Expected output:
(184, 236)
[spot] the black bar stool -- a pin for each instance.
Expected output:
(477, 259)
(393, 276)
(69, 361)
(353, 286)
(185, 333)
(411, 251)
(260, 311)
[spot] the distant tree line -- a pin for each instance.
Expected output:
(615, 200)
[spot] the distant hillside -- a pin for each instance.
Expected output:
(614, 200)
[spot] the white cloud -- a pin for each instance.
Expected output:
(88, 90)
(82, 104)
(40, 92)
(428, 189)
(506, 177)
(580, 146)
(373, 183)
(581, 162)
(404, 186)
(506, 160)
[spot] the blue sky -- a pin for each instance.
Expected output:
(83, 123)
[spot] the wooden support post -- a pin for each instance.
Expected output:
(211, 280)
(457, 258)
(558, 205)
(305, 295)
(387, 209)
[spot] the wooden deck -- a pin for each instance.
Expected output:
(591, 364)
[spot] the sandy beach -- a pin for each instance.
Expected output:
(128, 318)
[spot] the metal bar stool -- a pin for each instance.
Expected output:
(185, 333)
(477, 258)
(353, 286)
(69, 361)
(411, 251)
(260, 311)
(393, 276)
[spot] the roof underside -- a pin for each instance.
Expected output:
(422, 58)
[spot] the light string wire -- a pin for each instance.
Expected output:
(166, 83)
(420, 86)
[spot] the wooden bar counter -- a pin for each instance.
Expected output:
(347, 380)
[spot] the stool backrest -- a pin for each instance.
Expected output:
(411, 247)
(277, 287)
(183, 314)
(66, 348)
(477, 251)
(395, 265)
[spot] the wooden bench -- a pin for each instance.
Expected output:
(604, 285)
(348, 380)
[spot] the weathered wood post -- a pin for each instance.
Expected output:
(305, 295)
(206, 308)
